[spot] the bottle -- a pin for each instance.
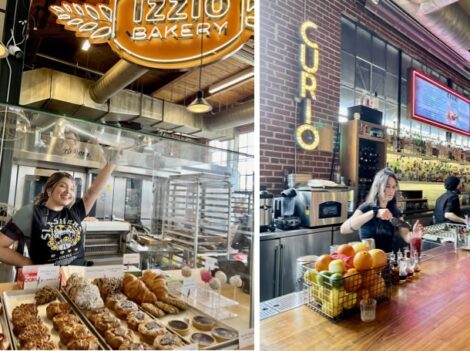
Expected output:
(403, 274)
(409, 267)
(395, 273)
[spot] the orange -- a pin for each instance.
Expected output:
(379, 258)
(358, 247)
(322, 263)
(362, 261)
(369, 279)
(346, 250)
(352, 280)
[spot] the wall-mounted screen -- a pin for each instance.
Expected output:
(434, 103)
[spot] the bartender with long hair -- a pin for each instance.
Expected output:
(373, 218)
(51, 228)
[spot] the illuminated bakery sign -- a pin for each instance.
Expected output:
(306, 135)
(163, 33)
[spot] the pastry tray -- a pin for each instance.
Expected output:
(187, 316)
(123, 323)
(17, 297)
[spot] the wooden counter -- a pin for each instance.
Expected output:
(430, 313)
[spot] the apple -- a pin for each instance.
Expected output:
(336, 266)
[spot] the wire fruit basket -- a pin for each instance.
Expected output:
(337, 297)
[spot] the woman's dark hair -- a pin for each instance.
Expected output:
(50, 185)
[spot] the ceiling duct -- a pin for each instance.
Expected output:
(63, 93)
(117, 78)
(444, 33)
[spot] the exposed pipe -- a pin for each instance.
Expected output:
(66, 63)
(450, 24)
(236, 117)
(117, 78)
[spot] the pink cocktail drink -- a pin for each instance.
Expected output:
(416, 244)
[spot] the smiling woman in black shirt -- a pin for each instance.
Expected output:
(372, 218)
(51, 228)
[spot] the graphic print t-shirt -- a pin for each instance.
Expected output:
(51, 236)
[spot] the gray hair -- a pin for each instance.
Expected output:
(379, 184)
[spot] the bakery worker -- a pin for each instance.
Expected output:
(372, 218)
(51, 228)
(448, 205)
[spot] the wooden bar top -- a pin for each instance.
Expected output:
(430, 313)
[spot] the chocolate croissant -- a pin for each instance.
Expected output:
(136, 290)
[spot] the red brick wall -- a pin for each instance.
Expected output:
(280, 21)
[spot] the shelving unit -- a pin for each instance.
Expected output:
(362, 153)
(197, 215)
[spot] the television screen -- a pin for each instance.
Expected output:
(434, 103)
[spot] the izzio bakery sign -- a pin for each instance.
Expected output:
(163, 34)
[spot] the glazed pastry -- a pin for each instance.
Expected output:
(116, 336)
(128, 345)
(105, 322)
(124, 307)
(180, 304)
(150, 330)
(88, 343)
(108, 286)
(181, 327)
(92, 314)
(57, 308)
(45, 295)
(72, 332)
(167, 341)
(135, 318)
(74, 280)
(59, 320)
(40, 345)
(136, 290)
(223, 334)
(86, 297)
(112, 299)
(34, 332)
(156, 283)
(153, 310)
(203, 340)
(203, 322)
(167, 308)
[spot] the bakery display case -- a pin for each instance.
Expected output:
(139, 192)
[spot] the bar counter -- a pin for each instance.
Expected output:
(430, 313)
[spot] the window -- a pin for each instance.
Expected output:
(245, 166)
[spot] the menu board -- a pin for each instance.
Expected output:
(436, 104)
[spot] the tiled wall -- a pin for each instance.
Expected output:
(280, 21)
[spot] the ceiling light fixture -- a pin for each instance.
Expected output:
(86, 45)
(200, 105)
(235, 79)
(3, 51)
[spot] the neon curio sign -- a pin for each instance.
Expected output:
(306, 135)
(163, 34)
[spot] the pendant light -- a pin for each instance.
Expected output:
(3, 51)
(200, 105)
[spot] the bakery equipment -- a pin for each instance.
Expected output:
(105, 241)
(287, 222)
(197, 214)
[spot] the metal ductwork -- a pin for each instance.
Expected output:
(403, 16)
(61, 93)
(445, 19)
(236, 117)
(117, 78)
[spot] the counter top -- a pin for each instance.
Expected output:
(301, 231)
(429, 313)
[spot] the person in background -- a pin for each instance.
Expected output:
(51, 228)
(372, 218)
(448, 205)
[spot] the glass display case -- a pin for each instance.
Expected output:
(35, 143)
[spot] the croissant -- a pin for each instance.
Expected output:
(136, 290)
(156, 283)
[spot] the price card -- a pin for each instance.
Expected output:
(210, 263)
(189, 285)
(131, 259)
(189, 347)
(111, 271)
(48, 275)
(246, 339)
